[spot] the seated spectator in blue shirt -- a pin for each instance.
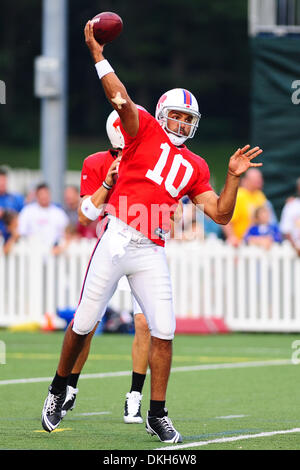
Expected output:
(8, 201)
(263, 233)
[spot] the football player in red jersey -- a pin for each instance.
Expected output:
(156, 170)
(99, 167)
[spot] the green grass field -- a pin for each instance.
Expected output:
(224, 387)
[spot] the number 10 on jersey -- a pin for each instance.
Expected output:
(178, 160)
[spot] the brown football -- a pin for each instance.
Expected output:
(107, 26)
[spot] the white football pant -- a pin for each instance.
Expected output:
(124, 286)
(122, 250)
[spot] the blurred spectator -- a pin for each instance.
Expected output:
(196, 225)
(263, 233)
(194, 231)
(250, 197)
(290, 219)
(8, 201)
(30, 195)
(10, 219)
(297, 193)
(42, 219)
(71, 204)
(70, 235)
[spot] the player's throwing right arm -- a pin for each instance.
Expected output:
(114, 89)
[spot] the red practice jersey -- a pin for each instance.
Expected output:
(154, 175)
(94, 171)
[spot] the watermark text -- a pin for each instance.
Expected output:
(2, 352)
(296, 353)
(296, 94)
(2, 92)
(161, 221)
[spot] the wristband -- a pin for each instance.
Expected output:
(103, 68)
(106, 186)
(89, 209)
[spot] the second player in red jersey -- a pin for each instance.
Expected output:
(94, 169)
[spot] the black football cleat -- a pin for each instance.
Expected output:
(163, 428)
(51, 414)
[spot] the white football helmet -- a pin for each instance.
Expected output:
(113, 130)
(182, 100)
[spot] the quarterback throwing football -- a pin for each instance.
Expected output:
(155, 172)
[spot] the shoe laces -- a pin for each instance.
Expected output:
(166, 423)
(133, 402)
(53, 401)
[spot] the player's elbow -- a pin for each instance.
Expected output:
(223, 215)
(82, 219)
(222, 219)
(225, 220)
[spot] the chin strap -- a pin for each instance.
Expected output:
(176, 139)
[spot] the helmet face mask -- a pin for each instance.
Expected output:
(182, 101)
(193, 124)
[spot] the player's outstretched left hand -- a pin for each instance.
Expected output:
(241, 160)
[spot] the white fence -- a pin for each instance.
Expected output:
(251, 289)
(22, 180)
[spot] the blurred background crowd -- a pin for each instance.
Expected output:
(254, 221)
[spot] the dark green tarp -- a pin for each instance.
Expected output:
(275, 119)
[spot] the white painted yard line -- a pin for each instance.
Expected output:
(229, 439)
(230, 417)
(26, 381)
(230, 365)
(95, 413)
(234, 365)
(49, 379)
